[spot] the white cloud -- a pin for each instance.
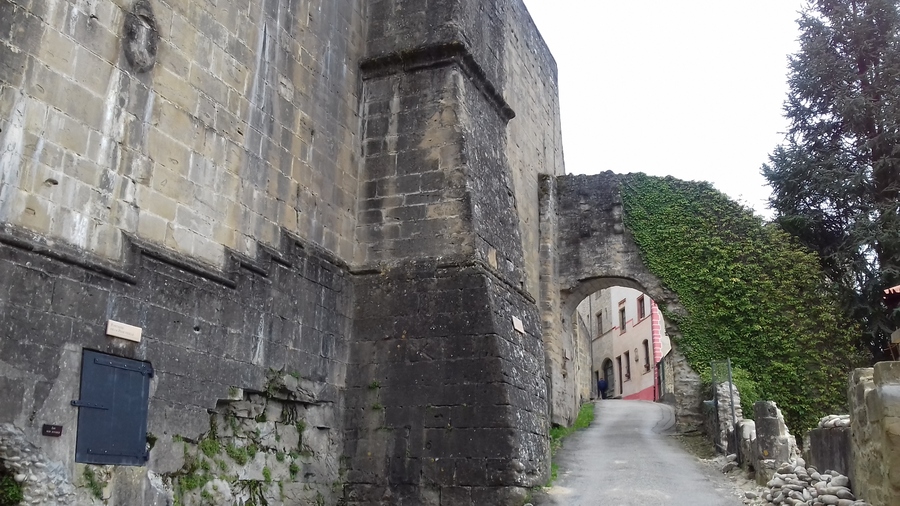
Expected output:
(690, 89)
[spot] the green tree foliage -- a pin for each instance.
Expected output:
(836, 177)
(751, 293)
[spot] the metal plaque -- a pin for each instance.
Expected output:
(51, 430)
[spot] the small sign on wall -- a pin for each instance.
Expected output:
(518, 326)
(123, 331)
(51, 430)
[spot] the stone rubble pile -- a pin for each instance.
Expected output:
(766, 449)
(795, 484)
(43, 481)
(832, 421)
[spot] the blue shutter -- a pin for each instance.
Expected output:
(112, 415)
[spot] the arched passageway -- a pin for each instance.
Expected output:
(593, 251)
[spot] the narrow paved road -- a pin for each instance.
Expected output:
(627, 457)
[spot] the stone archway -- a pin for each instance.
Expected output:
(592, 251)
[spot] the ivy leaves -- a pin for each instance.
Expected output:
(751, 294)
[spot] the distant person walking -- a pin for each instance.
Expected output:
(601, 387)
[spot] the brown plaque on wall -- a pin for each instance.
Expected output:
(51, 430)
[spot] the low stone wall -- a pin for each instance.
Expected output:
(767, 448)
(860, 450)
(796, 484)
(875, 433)
(828, 445)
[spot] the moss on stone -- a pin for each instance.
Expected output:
(210, 447)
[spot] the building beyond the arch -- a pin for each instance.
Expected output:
(628, 343)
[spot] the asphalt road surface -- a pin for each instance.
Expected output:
(627, 457)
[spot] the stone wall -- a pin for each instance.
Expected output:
(211, 337)
(667, 378)
(446, 399)
(595, 249)
(721, 419)
(874, 396)
(191, 170)
(582, 360)
(237, 123)
(828, 445)
(534, 137)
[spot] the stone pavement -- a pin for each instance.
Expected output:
(627, 457)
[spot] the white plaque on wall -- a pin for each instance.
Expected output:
(517, 324)
(123, 331)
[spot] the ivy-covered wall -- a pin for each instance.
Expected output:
(750, 294)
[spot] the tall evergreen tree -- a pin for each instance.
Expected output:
(836, 177)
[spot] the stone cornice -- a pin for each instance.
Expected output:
(435, 56)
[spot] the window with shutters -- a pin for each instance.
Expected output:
(112, 410)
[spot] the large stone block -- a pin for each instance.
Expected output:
(830, 449)
(887, 373)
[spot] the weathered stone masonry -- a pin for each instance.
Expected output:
(874, 396)
(343, 227)
(445, 401)
(209, 340)
(320, 217)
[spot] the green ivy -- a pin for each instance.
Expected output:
(751, 294)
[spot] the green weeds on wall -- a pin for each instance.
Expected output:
(10, 490)
(751, 294)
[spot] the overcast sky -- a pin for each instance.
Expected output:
(689, 88)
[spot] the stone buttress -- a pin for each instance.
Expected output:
(446, 401)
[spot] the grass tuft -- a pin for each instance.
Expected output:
(558, 433)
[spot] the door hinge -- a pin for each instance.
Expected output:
(91, 405)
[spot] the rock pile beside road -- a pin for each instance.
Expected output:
(795, 484)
